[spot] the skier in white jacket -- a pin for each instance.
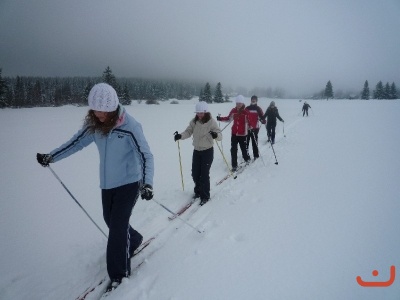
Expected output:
(204, 130)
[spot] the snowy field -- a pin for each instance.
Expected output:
(302, 229)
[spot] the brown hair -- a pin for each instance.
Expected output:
(205, 119)
(93, 123)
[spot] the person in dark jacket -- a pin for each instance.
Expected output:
(306, 106)
(255, 114)
(126, 170)
(271, 114)
(240, 117)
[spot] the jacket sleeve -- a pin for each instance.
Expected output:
(188, 131)
(266, 114)
(80, 140)
(260, 113)
(143, 150)
(228, 118)
(278, 116)
(214, 127)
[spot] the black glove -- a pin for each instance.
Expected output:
(177, 137)
(44, 159)
(214, 134)
(146, 192)
(283, 121)
(218, 118)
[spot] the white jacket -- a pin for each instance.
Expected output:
(202, 139)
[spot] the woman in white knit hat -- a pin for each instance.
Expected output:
(240, 117)
(126, 169)
(204, 130)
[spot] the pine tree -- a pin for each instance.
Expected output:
(37, 93)
(328, 90)
(19, 94)
(207, 93)
(85, 93)
(108, 77)
(66, 93)
(365, 91)
(226, 98)
(125, 99)
(379, 92)
(201, 95)
(218, 97)
(58, 98)
(386, 91)
(393, 91)
(3, 92)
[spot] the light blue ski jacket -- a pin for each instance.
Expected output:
(125, 156)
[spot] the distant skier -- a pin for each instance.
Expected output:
(306, 106)
(126, 170)
(271, 114)
(240, 127)
(204, 130)
(256, 113)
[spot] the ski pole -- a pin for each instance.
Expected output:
(284, 130)
(219, 125)
(72, 196)
(227, 125)
(180, 161)
(177, 216)
(223, 156)
(276, 161)
(254, 137)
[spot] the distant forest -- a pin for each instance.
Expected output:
(23, 91)
(57, 91)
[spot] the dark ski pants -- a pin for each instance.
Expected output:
(201, 164)
(271, 131)
(253, 136)
(241, 140)
(305, 112)
(117, 208)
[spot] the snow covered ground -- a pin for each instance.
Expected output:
(302, 229)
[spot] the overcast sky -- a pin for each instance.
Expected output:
(295, 44)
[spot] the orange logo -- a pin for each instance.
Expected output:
(378, 283)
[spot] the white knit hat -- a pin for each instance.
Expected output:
(103, 97)
(239, 99)
(201, 107)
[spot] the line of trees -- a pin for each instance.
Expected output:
(55, 91)
(206, 94)
(381, 91)
(387, 91)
